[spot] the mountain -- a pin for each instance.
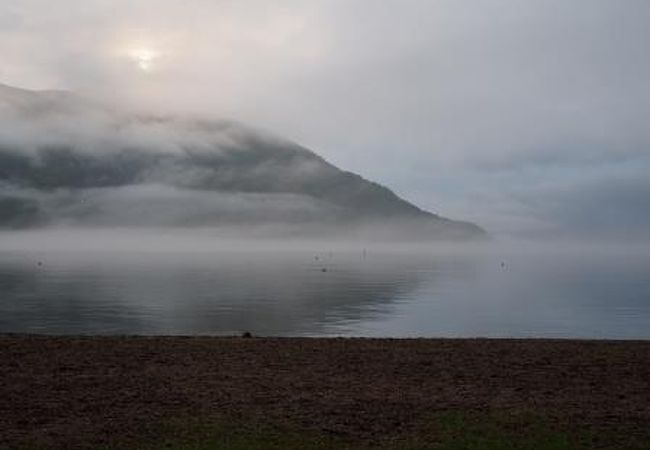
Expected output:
(66, 160)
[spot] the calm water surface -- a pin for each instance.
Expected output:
(322, 293)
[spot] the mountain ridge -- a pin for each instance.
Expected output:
(64, 159)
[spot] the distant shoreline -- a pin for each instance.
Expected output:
(21, 335)
(89, 391)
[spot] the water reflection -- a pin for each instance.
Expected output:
(303, 293)
(210, 293)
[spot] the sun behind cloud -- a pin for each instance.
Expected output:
(144, 58)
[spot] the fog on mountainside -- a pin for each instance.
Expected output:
(68, 161)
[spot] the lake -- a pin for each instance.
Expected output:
(321, 290)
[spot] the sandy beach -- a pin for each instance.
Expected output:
(85, 392)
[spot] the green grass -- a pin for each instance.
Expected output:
(443, 432)
(462, 432)
(446, 432)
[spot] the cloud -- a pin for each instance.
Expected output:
(153, 205)
(610, 206)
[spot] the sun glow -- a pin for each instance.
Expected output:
(144, 58)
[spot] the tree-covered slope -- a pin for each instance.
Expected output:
(67, 160)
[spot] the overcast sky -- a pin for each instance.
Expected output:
(527, 117)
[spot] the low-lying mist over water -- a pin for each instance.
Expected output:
(197, 282)
(116, 222)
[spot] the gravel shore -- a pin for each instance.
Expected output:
(80, 392)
